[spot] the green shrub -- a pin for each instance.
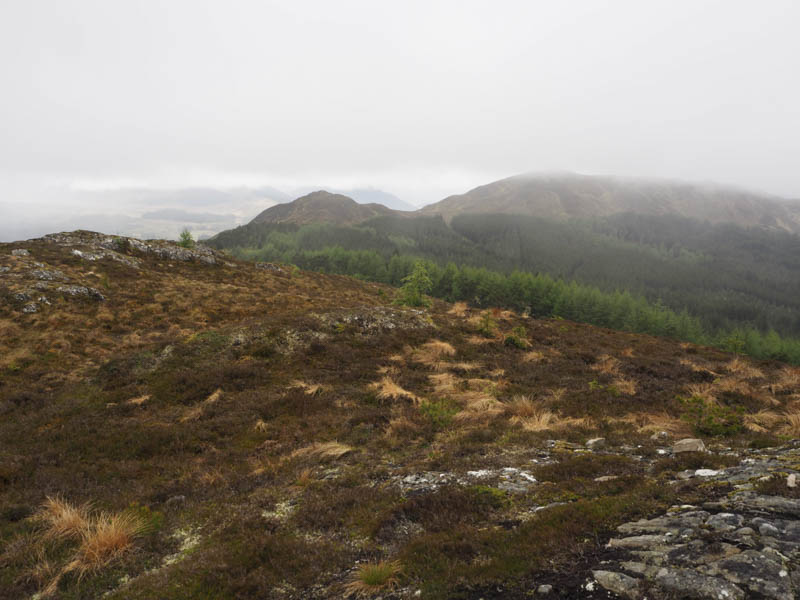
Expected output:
(186, 240)
(438, 413)
(415, 286)
(487, 325)
(711, 419)
(518, 338)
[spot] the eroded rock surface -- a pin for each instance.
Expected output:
(743, 545)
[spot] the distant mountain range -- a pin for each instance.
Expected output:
(563, 197)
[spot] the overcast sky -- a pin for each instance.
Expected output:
(421, 99)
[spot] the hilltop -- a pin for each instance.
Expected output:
(322, 206)
(258, 431)
(571, 196)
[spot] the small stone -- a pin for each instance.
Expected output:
(20, 252)
(689, 445)
(617, 583)
(605, 478)
(791, 480)
(596, 443)
(768, 529)
(30, 308)
(706, 473)
(544, 589)
(660, 436)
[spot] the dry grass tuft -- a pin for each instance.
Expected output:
(788, 380)
(310, 389)
(101, 538)
(607, 365)
(459, 309)
(742, 368)
(323, 451)
(540, 420)
(479, 408)
(197, 411)
(554, 396)
(627, 353)
(108, 536)
(373, 578)
(387, 389)
(401, 427)
(478, 340)
(444, 383)
(534, 356)
(762, 421)
(521, 407)
(704, 391)
(464, 366)
(625, 386)
(792, 425)
(61, 519)
(138, 401)
(433, 354)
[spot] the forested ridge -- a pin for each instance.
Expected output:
(716, 284)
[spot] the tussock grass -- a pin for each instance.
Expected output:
(459, 309)
(197, 411)
(540, 419)
(310, 389)
(705, 391)
(139, 400)
(433, 354)
(97, 539)
(387, 389)
(625, 386)
(521, 406)
(606, 364)
(762, 421)
(479, 408)
(744, 369)
(792, 425)
(534, 356)
(323, 451)
(63, 520)
(373, 578)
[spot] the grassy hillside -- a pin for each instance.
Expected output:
(205, 428)
(730, 280)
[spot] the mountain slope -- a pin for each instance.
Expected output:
(272, 434)
(582, 196)
(322, 207)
